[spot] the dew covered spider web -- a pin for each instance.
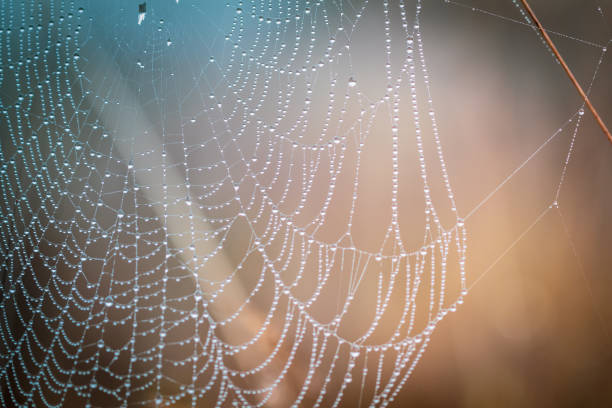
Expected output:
(211, 203)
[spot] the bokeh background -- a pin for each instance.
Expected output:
(534, 330)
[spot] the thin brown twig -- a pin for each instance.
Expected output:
(568, 71)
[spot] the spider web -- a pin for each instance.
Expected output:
(218, 204)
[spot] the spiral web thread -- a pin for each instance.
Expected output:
(167, 202)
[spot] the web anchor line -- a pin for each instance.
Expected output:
(567, 70)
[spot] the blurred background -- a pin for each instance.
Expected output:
(535, 328)
(531, 177)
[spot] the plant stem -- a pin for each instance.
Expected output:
(568, 71)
